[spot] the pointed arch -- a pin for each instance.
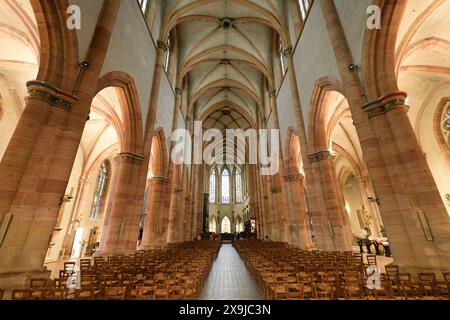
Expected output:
(317, 124)
(131, 109)
(225, 194)
(225, 225)
(293, 160)
(159, 158)
(213, 178)
(379, 76)
(58, 62)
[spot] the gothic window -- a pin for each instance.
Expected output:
(238, 181)
(225, 186)
(143, 4)
(100, 192)
(226, 225)
(282, 59)
(167, 58)
(446, 125)
(212, 187)
(304, 8)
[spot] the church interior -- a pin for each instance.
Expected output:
(97, 202)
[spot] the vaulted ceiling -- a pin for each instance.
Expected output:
(225, 57)
(225, 51)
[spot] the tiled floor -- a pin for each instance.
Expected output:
(229, 278)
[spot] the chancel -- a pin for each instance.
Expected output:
(334, 186)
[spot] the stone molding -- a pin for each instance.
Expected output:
(50, 94)
(293, 177)
(130, 157)
(320, 156)
(386, 104)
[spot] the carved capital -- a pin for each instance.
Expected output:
(275, 189)
(273, 93)
(161, 45)
(159, 180)
(50, 94)
(293, 177)
(288, 51)
(386, 104)
(320, 156)
(178, 90)
(130, 157)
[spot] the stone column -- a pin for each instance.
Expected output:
(38, 161)
(155, 227)
(281, 209)
(423, 213)
(370, 206)
(297, 221)
(122, 230)
(330, 217)
(174, 176)
(112, 191)
(175, 212)
(416, 221)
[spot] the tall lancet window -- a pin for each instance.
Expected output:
(143, 4)
(212, 187)
(100, 191)
(304, 7)
(225, 186)
(282, 60)
(238, 181)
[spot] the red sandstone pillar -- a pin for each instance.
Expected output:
(38, 161)
(123, 222)
(335, 233)
(415, 220)
(297, 221)
(155, 227)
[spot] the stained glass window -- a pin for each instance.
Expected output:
(143, 5)
(100, 192)
(238, 187)
(446, 125)
(225, 186)
(282, 59)
(304, 7)
(167, 60)
(212, 187)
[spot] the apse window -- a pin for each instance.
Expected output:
(212, 187)
(238, 187)
(225, 186)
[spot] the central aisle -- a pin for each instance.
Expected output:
(229, 279)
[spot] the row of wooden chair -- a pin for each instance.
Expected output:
(175, 272)
(288, 273)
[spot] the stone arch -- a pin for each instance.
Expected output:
(131, 109)
(379, 75)
(225, 225)
(317, 126)
(59, 61)
(159, 153)
(293, 153)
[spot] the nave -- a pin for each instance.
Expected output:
(244, 270)
(116, 182)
